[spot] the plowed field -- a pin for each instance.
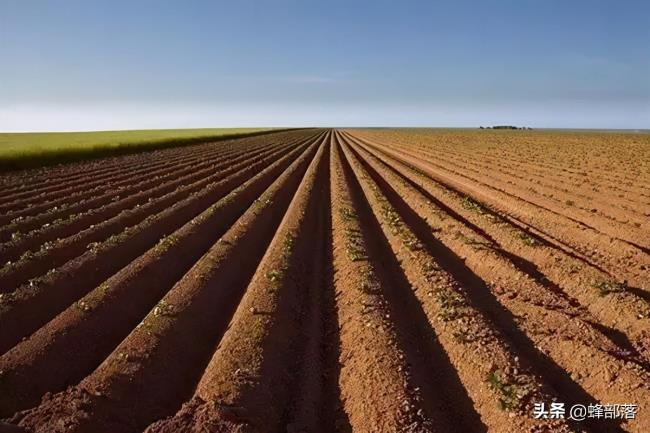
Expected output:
(330, 281)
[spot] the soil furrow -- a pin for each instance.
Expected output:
(118, 201)
(327, 281)
(609, 255)
(373, 363)
(133, 387)
(577, 359)
(63, 202)
(498, 371)
(485, 147)
(547, 186)
(67, 207)
(588, 220)
(488, 231)
(56, 253)
(59, 193)
(30, 306)
(32, 181)
(80, 338)
(248, 382)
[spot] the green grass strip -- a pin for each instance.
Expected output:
(37, 149)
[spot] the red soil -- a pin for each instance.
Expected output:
(329, 281)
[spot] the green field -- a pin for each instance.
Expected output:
(33, 149)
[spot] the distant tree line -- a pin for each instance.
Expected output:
(506, 127)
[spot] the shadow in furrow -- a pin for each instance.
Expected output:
(183, 341)
(507, 219)
(641, 293)
(523, 265)
(642, 248)
(314, 394)
(482, 298)
(627, 350)
(434, 372)
(529, 268)
(333, 417)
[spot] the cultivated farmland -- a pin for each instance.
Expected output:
(330, 281)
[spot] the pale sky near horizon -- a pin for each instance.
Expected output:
(96, 65)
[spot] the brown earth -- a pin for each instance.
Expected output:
(330, 281)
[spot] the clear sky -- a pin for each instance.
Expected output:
(84, 65)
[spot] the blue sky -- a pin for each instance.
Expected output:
(83, 65)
